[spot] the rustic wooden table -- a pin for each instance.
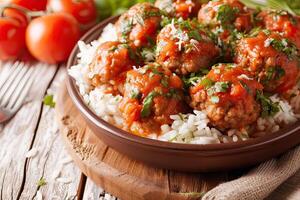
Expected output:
(32, 152)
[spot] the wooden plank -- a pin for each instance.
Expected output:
(92, 191)
(52, 161)
(200, 183)
(119, 174)
(17, 135)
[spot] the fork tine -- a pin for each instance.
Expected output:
(10, 80)
(21, 98)
(19, 88)
(6, 71)
(15, 84)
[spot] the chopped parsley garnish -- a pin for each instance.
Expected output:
(41, 182)
(49, 101)
(226, 14)
(284, 46)
(278, 13)
(112, 49)
(255, 31)
(245, 86)
(147, 14)
(194, 34)
(165, 81)
(147, 104)
(222, 86)
(126, 27)
(206, 82)
(218, 87)
(148, 54)
(192, 79)
(165, 21)
(185, 30)
(136, 94)
(173, 93)
(273, 73)
(268, 107)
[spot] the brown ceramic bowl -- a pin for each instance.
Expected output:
(182, 157)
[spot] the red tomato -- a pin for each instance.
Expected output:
(30, 4)
(51, 38)
(12, 38)
(19, 15)
(83, 10)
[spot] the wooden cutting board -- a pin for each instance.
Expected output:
(120, 175)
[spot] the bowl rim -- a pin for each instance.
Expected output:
(216, 149)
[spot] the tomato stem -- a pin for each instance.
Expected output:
(28, 13)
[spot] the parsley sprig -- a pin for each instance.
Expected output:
(269, 108)
(49, 101)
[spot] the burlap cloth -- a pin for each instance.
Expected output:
(275, 179)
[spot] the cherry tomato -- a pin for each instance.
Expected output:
(30, 4)
(17, 14)
(12, 38)
(51, 38)
(83, 10)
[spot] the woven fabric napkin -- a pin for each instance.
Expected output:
(269, 180)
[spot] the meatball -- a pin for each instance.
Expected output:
(282, 22)
(179, 8)
(139, 25)
(272, 58)
(228, 14)
(151, 95)
(110, 64)
(183, 47)
(228, 94)
(226, 19)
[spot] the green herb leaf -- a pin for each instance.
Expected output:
(226, 14)
(221, 86)
(164, 81)
(41, 182)
(135, 94)
(207, 83)
(284, 46)
(268, 107)
(273, 73)
(49, 101)
(147, 104)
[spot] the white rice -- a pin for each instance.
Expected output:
(186, 128)
(104, 105)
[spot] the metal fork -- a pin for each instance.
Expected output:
(15, 82)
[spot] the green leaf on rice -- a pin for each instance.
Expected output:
(147, 104)
(268, 107)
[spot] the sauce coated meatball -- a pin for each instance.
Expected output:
(183, 47)
(110, 63)
(272, 58)
(179, 8)
(228, 94)
(282, 22)
(151, 95)
(226, 19)
(228, 14)
(139, 25)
